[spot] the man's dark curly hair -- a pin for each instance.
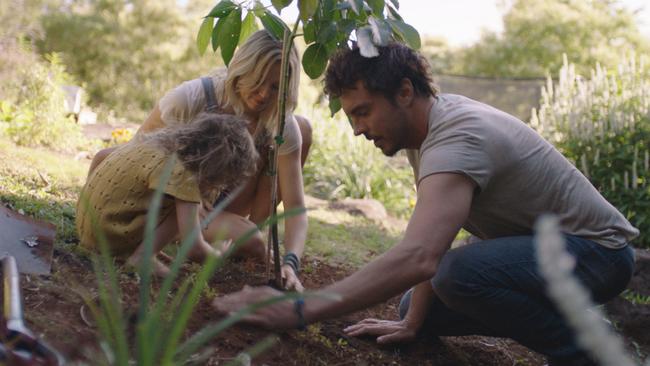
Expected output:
(381, 74)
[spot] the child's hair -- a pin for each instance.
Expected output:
(217, 148)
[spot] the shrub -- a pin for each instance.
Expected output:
(33, 102)
(602, 125)
(342, 165)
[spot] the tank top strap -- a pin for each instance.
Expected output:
(210, 98)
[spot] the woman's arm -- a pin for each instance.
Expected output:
(293, 197)
(153, 121)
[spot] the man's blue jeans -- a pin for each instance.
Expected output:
(494, 288)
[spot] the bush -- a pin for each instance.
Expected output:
(603, 125)
(342, 165)
(32, 104)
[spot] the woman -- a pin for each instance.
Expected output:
(249, 88)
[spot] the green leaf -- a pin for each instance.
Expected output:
(344, 5)
(356, 5)
(393, 13)
(381, 31)
(326, 32)
(346, 26)
(229, 35)
(307, 8)
(309, 31)
(274, 25)
(407, 32)
(325, 11)
(222, 9)
(203, 37)
(335, 106)
(248, 27)
(377, 7)
(395, 3)
(215, 34)
(280, 4)
(314, 60)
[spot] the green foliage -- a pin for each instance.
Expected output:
(341, 165)
(32, 103)
(537, 32)
(602, 124)
(327, 25)
(126, 53)
(42, 184)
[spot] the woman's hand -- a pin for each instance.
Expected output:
(290, 279)
(387, 331)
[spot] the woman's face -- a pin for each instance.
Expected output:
(257, 100)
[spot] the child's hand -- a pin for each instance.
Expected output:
(291, 280)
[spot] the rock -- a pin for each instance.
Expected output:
(369, 208)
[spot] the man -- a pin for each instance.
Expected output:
(480, 169)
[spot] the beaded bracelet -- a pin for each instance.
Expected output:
(291, 259)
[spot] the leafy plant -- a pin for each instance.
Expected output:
(33, 110)
(602, 124)
(161, 322)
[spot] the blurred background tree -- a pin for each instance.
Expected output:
(127, 53)
(537, 32)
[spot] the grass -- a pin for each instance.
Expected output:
(45, 185)
(42, 184)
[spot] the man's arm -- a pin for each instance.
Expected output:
(443, 206)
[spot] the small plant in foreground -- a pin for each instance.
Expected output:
(573, 301)
(162, 322)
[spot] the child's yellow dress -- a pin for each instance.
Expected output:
(119, 191)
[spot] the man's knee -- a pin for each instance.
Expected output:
(451, 282)
(404, 304)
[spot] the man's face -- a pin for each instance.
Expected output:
(376, 118)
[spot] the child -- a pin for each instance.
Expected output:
(213, 153)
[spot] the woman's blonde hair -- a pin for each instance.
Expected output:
(217, 148)
(250, 66)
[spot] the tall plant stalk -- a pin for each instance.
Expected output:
(287, 44)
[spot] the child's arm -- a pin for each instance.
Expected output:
(187, 218)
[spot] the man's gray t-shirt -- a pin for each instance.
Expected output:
(518, 174)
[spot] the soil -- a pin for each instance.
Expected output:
(53, 310)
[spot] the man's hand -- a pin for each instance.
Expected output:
(387, 331)
(277, 316)
(291, 280)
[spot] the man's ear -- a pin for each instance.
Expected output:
(405, 94)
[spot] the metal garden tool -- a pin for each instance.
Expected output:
(29, 241)
(19, 346)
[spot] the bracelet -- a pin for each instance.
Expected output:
(291, 259)
(298, 307)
